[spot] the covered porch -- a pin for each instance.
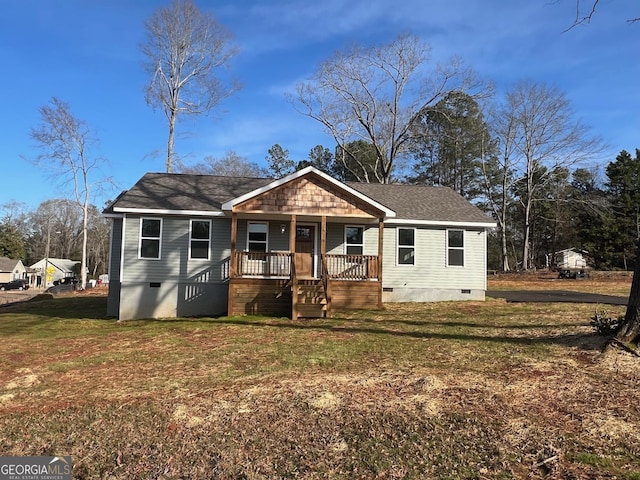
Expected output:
(304, 280)
(280, 262)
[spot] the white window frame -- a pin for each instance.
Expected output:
(449, 248)
(191, 239)
(158, 238)
(347, 245)
(398, 247)
(266, 242)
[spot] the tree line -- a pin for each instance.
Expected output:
(55, 227)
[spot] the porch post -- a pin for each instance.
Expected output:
(232, 260)
(234, 233)
(380, 241)
(294, 275)
(325, 265)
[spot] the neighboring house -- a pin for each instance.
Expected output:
(301, 246)
(57, 269)
(11, 269)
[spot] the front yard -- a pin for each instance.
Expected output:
(449, 390)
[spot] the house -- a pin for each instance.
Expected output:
(11, 269)
(58, 269)
(300, 246)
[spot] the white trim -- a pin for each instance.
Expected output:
(266, 242)
(440, 223)
(353, 244)
(159, 257)
(301, 173)
(122, 240)
(398, 246)
(463, 248)
(147, 211)
(191, 239)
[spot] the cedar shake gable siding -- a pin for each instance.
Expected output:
(308, 195)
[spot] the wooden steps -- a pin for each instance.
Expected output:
(312, 302)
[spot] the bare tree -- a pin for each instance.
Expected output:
(498, 176)
(98, 251)
(184, 48)
(543, 136)
(585, 12)
(231, 165)
(373, 94)
(65, 142)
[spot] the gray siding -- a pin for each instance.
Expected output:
(174, 263)
(430, 269)
(113, 299)
(174, 284)
(116, 248)
(276, 240)
(335, 238)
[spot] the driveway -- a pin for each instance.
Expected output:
(556, 296)
(12, 296)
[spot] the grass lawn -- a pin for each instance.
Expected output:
(484, 390)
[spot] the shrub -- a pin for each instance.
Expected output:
(604, 324)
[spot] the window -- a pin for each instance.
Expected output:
(200, 238)
(150, 229)
(406, 246)
(257, 237)
(455, 248)
(354, 240)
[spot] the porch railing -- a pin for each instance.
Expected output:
(263, 264)
(352, 267)
(278, 264)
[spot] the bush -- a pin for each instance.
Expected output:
(606, 325)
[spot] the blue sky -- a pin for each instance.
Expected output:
(85, 52)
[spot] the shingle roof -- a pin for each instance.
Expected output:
(177, 191)
(63, 264)
(7, 264)
(418, 202)
(207, 193)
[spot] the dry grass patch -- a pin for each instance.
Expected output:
(453, 390)
(605, 283)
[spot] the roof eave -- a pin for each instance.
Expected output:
(442, 223)
(120, 211)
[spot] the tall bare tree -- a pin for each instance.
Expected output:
(373, 94)
(542, 135)
(231, 165)
(498, 174)
(184, 48)
(65, 144)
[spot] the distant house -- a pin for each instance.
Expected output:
(57, 269)
(300, 246)
(11, 269)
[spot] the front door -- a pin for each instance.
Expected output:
(305, 239)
